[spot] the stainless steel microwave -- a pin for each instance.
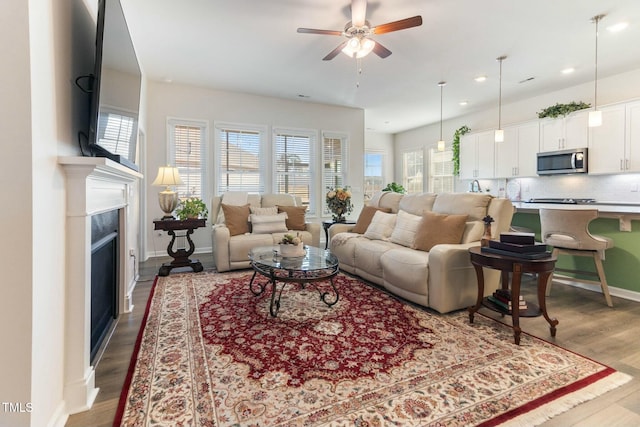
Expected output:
(563, 161)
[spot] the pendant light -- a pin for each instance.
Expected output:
(595, 116)
(441, 144)
(499, 135)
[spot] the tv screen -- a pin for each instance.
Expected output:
(113, 131)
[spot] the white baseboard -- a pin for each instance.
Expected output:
(614, 291)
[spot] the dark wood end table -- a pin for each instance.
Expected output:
(326, 224)
(180, 256)
(516, 266)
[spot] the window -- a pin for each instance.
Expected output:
(239, 157)
(373, 174)
(292, 160)
(412, 171)
(186, 152)
(441, 179)
(334, 148)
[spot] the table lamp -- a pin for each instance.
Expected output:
(168, 199)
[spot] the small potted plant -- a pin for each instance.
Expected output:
(291, 246)
(193, 207)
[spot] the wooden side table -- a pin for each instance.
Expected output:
(326, 224)
(180, 256)
(516, 266)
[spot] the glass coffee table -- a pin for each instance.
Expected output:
(317, 265)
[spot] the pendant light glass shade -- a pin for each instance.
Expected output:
(441, 143)
(499, 135)
(595, 116)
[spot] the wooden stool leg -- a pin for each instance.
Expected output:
(548, 291)
(603, 278)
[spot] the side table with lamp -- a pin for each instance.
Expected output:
(169, 176)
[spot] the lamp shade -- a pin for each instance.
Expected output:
(167, 175)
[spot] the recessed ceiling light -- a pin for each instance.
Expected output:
(618, 27)
(300, 95)
(568, 70)
(480, 79)
(463, 103)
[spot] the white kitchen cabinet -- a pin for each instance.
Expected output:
(477, 155)
(614, 146)
(516, 156)
(571, 131)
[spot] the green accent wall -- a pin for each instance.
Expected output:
(622, 262)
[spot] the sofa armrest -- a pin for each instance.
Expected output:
(452, 279)
(314, 228)
(220, 236)
(339, 228)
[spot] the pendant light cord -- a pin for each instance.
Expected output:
(596, 19)
(441, 84)
(501, 58)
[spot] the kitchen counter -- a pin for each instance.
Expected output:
(625, 212)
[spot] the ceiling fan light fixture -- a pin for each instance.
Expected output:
(358, 47)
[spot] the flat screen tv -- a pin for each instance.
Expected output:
(115, 95)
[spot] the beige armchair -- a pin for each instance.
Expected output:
(230, 252)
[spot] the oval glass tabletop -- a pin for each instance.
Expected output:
(314, 259)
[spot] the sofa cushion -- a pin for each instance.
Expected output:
(367, 254)
(472, 204)
(295, 216)
(404, 232)
(406, 269)
(473, 231)
(438, 229)
(255, 210)
(364, 219)
(278, 200)
(239, 246)
(417, 203)
(236, 218)
(267, 224)
(381, 226)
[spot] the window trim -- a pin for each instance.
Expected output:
(344, 157)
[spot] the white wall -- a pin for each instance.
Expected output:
(188, 102)
(41, 111)
(613, 89)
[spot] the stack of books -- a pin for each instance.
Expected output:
(502, 298)
(516, 244)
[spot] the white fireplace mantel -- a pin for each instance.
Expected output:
(93, 185)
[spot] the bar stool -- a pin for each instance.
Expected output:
(568, 232)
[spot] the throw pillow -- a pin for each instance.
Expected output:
(267, 224)
(236, 218)
(295, 216)
(381, 226)
(364, 219)
(404, 232)
(264, 211)
(436, 229)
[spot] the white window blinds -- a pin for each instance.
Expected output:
(441, 179)
(293, 163)
(412, 171)
(333, 164)
(187, 152)
(239, 159)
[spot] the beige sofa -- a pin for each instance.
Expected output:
(231, 252)
(442, 278)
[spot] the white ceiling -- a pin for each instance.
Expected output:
(252, 46)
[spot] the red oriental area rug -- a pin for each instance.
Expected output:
(210, 354)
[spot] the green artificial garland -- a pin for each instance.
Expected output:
(562, 109)
(456, 148)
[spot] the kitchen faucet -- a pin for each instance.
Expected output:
(475, 186)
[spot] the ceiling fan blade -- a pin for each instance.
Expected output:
(414, 21)
(335, 51)
(358, 12)
(381, 51)
(314, 31)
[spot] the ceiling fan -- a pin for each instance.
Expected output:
(358, 32)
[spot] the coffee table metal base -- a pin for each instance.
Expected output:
(302, 278)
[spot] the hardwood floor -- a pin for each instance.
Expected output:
(587, 326)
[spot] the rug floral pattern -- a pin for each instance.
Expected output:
(211, 355)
